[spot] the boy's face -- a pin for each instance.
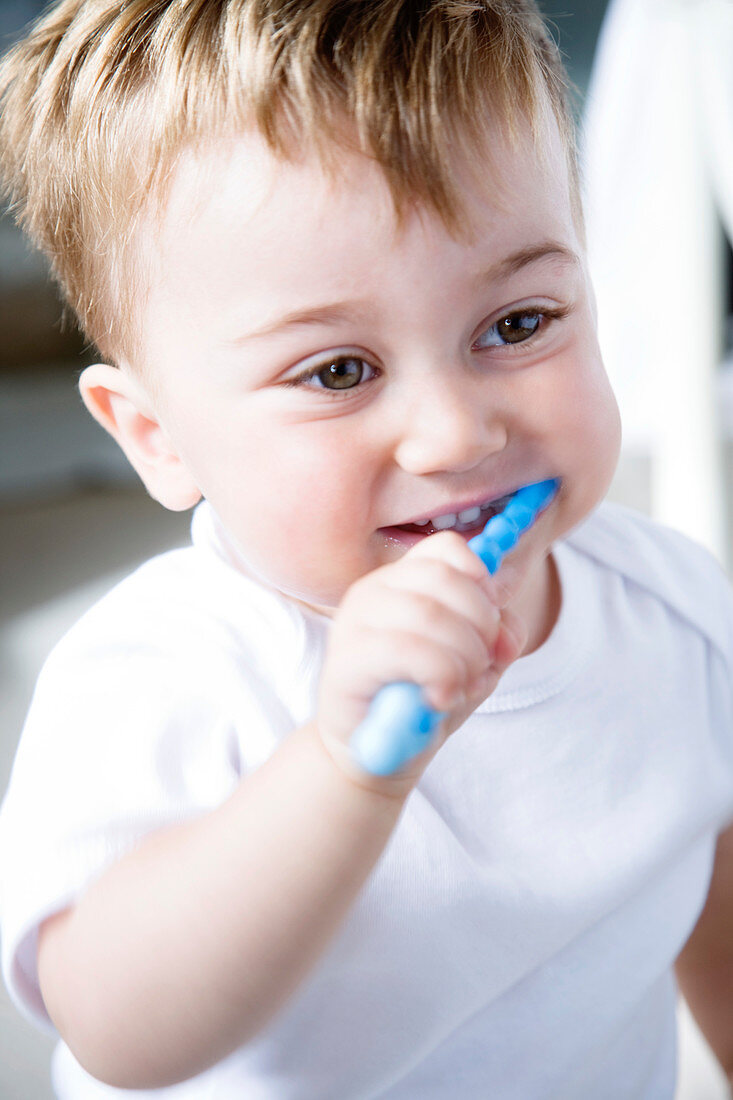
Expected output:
(326, 381)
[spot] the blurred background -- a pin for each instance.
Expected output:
(658, 169)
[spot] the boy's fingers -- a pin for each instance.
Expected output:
(450, 548)
(510, 643)
(448, 590)
(442, 671)
(459, 622)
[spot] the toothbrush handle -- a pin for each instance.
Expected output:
(400, 724)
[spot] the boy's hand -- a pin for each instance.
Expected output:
(430, 618)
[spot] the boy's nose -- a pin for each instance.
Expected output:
(448, 432)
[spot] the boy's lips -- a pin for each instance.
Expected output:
(466, 518)
(406, 538)
(448, 516)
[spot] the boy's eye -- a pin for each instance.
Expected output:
(343, 372)
(512, 329)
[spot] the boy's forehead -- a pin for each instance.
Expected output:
(241, 181)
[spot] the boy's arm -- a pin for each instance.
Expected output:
(704, 967)
(186, 947)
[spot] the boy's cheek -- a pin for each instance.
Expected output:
(587, 429)
(302, 556)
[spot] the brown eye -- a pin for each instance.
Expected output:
(518, 327)
(341, 374)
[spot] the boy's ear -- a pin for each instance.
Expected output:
(121, 405)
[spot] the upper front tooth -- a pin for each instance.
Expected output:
(468, 515)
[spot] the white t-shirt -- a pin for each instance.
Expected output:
(516, 939)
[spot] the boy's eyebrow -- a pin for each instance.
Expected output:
(335, 312)
(510, 265)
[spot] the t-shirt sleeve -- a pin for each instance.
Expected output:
(122, 738)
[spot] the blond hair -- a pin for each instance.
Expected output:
(101, 97)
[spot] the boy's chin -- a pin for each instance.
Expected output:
(319, 609)
(322, 603)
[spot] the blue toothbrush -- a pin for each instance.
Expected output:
(400, 723)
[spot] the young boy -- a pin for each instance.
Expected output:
(332, 253)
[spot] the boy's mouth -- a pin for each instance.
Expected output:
(468, 521)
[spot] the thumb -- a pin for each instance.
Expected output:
(511, 640)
